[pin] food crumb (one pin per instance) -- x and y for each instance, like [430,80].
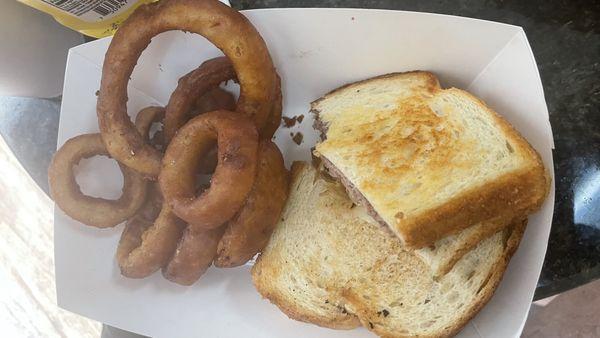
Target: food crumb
[289,122]
[298,137]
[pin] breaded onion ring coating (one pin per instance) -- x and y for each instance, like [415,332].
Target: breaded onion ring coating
[193,256]
[95,211]
[215,99]
[226,28]
[192,86]
[237,147]
[249,231]
[146,245]
[275,117]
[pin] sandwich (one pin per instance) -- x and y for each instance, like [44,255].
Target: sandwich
[409,221]
[328,264]
[427,162]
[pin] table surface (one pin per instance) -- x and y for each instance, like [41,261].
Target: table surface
[565,38]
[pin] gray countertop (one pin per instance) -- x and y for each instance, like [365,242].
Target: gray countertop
[565,37]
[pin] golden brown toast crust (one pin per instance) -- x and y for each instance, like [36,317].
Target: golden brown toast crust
[431,85]
[514,195]
[432,82]
[345,321]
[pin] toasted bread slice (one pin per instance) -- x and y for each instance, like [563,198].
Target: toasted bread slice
[446,252]
[426,162]
[325,264]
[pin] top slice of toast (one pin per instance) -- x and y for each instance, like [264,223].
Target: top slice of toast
[425,161]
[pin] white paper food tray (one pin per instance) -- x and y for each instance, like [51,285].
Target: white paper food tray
[315,50]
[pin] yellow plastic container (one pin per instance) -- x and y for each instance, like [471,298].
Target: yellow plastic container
[96,18]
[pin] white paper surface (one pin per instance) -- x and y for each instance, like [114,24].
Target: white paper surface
[315,50]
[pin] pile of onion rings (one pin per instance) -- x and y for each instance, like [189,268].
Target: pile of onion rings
[173,223]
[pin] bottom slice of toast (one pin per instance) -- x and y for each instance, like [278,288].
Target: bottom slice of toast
[328,265]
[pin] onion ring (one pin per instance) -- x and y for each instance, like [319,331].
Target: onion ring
[94,211]
[190,87]
[151,235]
[209,162]
[194,94]
[249,231]
[221,99]
[215,99]
[145,118]
[193,256]
[237,142]
[226,28]
[275,116]
[147,244]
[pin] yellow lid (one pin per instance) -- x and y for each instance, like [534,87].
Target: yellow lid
[96,18]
